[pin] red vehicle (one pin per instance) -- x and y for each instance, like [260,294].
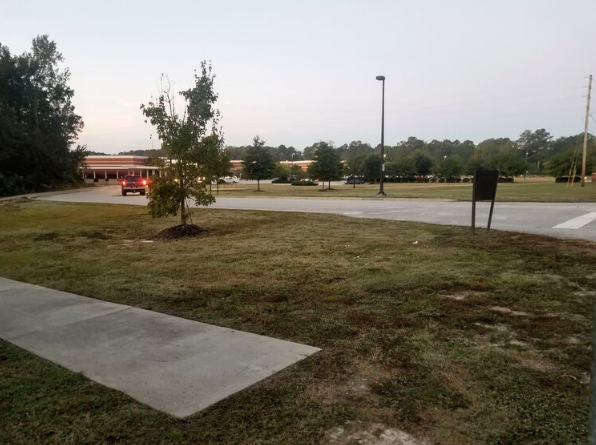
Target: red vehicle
[133,184]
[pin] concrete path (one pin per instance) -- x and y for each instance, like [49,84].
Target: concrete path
[172,364]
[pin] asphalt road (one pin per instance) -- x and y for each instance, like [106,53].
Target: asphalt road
[561,220]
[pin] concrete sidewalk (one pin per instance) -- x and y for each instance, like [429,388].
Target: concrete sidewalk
[172,364]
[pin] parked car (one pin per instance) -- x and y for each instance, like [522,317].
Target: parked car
[229,180]
[133,184]
[356,180]
[281,180]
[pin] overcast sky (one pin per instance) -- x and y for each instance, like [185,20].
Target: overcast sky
[302,71]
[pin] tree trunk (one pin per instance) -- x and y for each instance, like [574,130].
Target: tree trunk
[258,185]
[182,206]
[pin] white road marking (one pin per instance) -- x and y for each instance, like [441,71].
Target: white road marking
[577,223]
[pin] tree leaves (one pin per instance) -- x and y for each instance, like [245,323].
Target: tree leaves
[37,121]
[193,144]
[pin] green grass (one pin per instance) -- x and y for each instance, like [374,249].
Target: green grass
[531,190]
[416,337]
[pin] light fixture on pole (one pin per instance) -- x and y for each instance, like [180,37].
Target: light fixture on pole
[381,192]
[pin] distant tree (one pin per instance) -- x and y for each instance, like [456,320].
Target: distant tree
[404,167]
[535,147]
[214,160]
[281,171]
[372,168]
[326,163]
[533,142]
[568,163]
[410,146]
[356,149]
[450,167]
[187,139]
[296,170]
[38,124]
[149,152]
[258,162]
[562,164]
[236,152]
[568,143]
[96,153]
[283,153]
[355,164]
[309,152]
[423,165]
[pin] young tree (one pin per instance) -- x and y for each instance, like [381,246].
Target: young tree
[189,140]
[258,162]
[326,163]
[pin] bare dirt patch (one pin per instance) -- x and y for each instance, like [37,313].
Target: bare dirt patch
[356,388]
[525,357]
[507,311]
[375,434]
[496,327]
[461,296]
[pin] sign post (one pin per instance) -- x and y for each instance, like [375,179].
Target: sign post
[484,189]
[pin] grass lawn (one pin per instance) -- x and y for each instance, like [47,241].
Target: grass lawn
[450,338]
[530,190]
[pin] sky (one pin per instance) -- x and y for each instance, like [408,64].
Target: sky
[298,72]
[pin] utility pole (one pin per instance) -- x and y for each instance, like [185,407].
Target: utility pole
[592,410]
[381,191]
[586,133]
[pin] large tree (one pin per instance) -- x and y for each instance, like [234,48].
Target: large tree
[326,164]
[189,141]
[38,124]
[535,147]
[259,162]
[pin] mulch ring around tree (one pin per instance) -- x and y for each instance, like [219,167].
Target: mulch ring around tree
[180,231]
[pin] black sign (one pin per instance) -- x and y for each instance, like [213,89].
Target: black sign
[485,185]
[485,189]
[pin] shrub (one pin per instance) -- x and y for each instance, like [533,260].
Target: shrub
[567,179]
[505,179]
[305,182]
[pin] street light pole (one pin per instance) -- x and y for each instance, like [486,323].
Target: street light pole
[381,192]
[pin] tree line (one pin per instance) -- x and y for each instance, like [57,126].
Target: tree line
[533,153]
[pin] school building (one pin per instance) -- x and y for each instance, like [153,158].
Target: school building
[106,169]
